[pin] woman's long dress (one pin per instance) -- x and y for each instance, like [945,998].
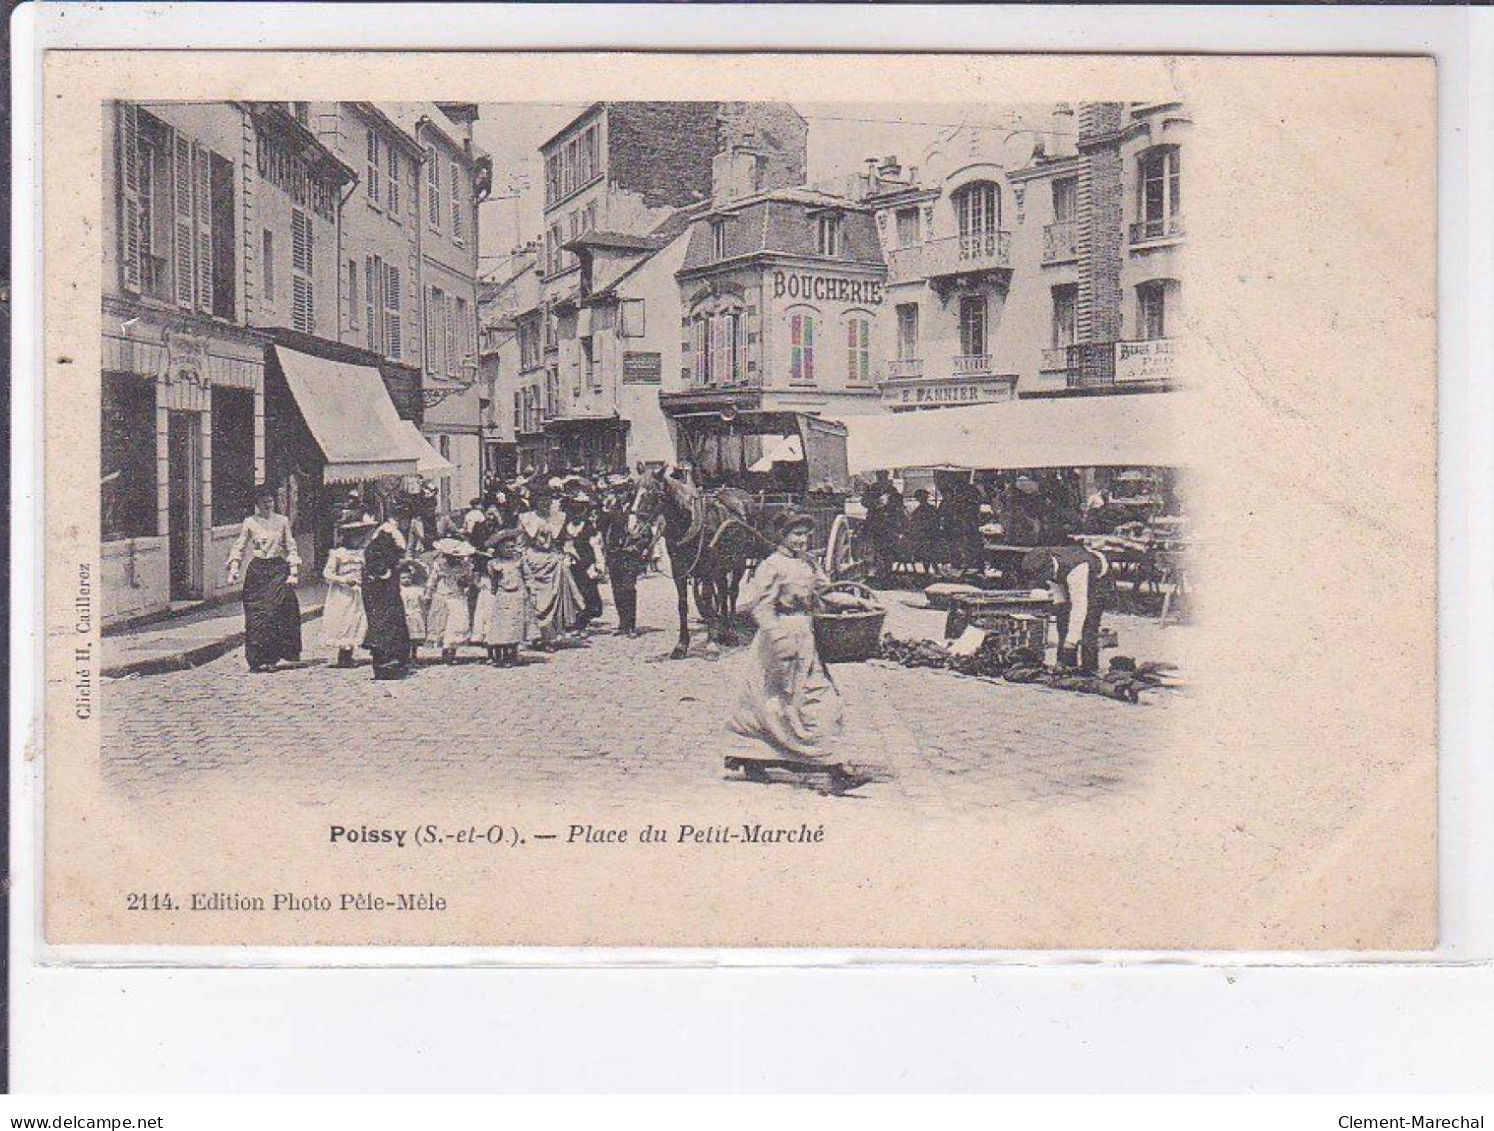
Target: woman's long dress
[272,615]
[787,699]
[387,637]
[343,619]
[503,604]
[554,598]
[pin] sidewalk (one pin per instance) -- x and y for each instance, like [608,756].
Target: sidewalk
[193,638]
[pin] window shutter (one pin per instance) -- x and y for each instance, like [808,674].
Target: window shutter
[373,166]
[456,201]
[808,348]
[430,329]
[130,218]
[433,187]
[392,318]
[450,324]
[202,161]
[303,308]
[183,234]
[393,181]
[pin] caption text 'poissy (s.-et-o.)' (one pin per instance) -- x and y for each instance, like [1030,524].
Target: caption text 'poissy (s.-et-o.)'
[581,834]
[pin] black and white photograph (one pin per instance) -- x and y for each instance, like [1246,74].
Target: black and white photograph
[772,521]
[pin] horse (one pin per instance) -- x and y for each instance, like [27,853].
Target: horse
[710,541]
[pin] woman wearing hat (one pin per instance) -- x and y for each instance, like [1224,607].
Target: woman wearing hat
[388,635]
[272,615]
[787,700]
[343,619]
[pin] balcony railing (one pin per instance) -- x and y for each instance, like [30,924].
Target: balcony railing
[904,367]
[976,251]
[973,365]
[1157,228]
[1061,242]
[1122,363]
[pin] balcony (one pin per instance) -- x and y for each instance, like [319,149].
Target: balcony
[967,254]
[1061,242]
[903,368]
[973,365]
[1157,229]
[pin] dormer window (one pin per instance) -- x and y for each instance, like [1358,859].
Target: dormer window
[827,235]
[718,239]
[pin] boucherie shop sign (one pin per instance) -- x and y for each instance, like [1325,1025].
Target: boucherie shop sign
[826,288]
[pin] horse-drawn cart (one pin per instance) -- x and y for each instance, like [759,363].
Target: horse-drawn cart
[778,462]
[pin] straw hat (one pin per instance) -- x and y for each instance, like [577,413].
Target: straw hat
[454,546]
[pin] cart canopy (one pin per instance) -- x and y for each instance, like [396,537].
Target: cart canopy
[1127,430]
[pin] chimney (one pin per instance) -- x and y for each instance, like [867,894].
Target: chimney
[1064,141]
[890,168]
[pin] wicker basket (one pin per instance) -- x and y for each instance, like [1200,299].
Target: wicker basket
[849,638]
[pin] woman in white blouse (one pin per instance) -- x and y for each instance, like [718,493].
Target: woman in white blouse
[272,615]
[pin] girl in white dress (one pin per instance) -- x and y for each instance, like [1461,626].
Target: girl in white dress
[343,618]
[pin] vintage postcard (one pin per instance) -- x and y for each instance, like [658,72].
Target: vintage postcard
[844,501]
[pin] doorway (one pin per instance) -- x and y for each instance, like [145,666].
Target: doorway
[184,504]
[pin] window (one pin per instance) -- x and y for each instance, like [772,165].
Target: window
[1065,323]
[907,331]
[302,112]
[1160,198]
[568,169]
[394,173]
[371,187]
[827,235]
[553,239]
[435,360]
[392,319]
[718,239]
[908,233]
[801,348]
[518,411]
[1151,310]
[973,325]
[552,179]
[1065,199]
[858,350]
[128,443]
[529,346]
[232,453]
[269,266]
[433,188]
[725,336]
[353,311]
[978,210]
[303,305]
[225,277]
[457,225]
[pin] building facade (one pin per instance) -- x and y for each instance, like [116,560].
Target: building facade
[621,182]
[182,410]
[782,299]
[455,176]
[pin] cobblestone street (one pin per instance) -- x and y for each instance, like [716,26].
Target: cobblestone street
[615,716]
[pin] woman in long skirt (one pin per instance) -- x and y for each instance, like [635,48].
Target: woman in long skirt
[272,615]
[787,700]
[343,619]
[449,619]
[388,636]
[552,591]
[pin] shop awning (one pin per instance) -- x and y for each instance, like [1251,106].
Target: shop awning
[351,416]
[1133,430]
[428,461]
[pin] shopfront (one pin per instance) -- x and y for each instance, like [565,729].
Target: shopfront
[181,445]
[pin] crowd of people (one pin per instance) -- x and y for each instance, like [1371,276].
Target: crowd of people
[522,565]
[926,535]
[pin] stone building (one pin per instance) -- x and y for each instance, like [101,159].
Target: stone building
[182,417]
[621,181]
